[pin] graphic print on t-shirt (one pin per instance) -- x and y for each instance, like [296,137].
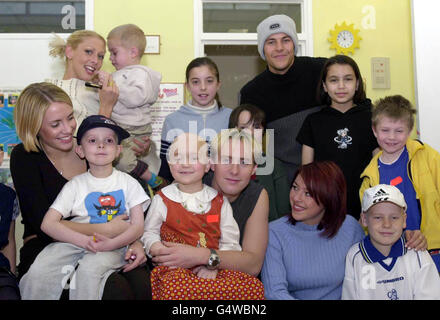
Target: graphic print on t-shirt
[103,207]
[392,295]
[343,139]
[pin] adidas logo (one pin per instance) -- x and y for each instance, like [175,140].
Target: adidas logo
[380,196]
[380,200]
[381,192]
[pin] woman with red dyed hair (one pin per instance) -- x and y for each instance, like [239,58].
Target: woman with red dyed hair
[305,257]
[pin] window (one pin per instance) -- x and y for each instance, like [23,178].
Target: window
[42,16]
[238,17]
[25,31]
[233,22]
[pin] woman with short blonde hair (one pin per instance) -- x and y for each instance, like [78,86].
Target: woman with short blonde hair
[43,162]
[31,108]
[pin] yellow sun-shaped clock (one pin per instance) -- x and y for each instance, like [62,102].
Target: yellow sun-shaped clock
[344,38]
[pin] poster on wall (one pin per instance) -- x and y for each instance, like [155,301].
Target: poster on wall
[8,136]
[171,98]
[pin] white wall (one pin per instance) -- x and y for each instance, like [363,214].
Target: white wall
[24,59]
[426,45]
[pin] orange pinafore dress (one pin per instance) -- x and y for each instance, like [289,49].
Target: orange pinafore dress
[199,230]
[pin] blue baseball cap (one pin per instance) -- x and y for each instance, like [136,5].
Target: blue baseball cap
[99,121]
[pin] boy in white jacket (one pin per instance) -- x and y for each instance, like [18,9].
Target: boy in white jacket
[380,267]
[138,90]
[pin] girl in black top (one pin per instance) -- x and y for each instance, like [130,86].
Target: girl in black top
[341,131]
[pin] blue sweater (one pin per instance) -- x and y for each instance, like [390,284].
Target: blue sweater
[301,264]
[186,119]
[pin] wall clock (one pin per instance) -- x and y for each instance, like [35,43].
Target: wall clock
[344,38]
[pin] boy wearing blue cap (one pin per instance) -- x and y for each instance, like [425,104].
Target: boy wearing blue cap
[96,196]
[380,267]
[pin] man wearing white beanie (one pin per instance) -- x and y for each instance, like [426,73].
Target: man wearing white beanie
[279,23]
[286,90]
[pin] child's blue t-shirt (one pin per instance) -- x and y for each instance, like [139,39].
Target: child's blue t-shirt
[396,174]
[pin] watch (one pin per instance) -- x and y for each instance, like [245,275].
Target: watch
[344,38]
[213,261]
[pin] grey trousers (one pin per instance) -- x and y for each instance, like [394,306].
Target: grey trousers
[127,161]
[55,266]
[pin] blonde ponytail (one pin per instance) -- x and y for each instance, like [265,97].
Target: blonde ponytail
[57,47]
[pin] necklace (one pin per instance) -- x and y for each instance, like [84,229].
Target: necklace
[53,162]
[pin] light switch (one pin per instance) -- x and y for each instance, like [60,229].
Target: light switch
[380,72]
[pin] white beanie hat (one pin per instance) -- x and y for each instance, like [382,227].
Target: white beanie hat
[382,192]
[276,24]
